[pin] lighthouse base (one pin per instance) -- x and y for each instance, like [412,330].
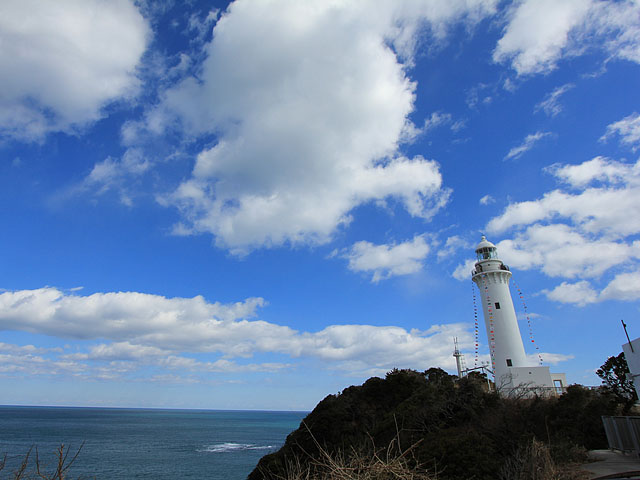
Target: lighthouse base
[531,381]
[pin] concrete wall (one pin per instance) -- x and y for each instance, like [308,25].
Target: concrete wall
[530,376]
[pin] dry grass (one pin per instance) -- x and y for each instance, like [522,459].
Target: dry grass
[392,463]
[59,471]
[534,462]
[357,466]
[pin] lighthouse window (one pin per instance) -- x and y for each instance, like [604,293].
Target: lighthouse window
[509,362]
[486,253]
[497,305]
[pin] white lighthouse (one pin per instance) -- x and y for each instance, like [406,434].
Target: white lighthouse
[511,368]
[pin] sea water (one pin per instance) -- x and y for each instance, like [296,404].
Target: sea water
[120,444]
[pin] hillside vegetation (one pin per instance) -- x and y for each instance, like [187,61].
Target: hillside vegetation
[424,425]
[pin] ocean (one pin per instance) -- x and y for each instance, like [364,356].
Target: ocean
[124,443]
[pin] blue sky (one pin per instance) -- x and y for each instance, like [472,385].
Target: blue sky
[253,205]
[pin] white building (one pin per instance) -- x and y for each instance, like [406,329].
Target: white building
[632,356]
[512,370]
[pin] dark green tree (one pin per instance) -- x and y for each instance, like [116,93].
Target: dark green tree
[616,378]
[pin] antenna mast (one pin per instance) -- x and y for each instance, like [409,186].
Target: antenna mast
[458,355]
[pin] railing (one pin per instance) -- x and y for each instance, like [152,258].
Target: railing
[623,433]
[479,269]
[529,391]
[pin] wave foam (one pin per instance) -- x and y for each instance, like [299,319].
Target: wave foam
[232,447]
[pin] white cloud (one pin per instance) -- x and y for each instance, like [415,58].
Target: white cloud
[628,129]
[436,119]
[29,360]
[561,251]
[62,61]
[309,102]
[551,103]
[624,286]
[549,358]
[529,142]
[477,95]
[19,349]
[598,169]
[612,208]
[143,329]
[118,351]
[581,293]
[373,350]
[452,245]
[583,232]
[202,27]
[113,174]
[540,33]
[458,125]
[386,261]
[463,271]
[619,23]
[487,199]
[220,366]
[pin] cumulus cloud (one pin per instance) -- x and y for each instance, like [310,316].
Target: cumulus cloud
[309,102]
[624,286]
[386,261]
[561,251]
[539,33]
[607,200]
[581,293]
[580,232]
[63,61]
[529,142]
[131,316]
[628,129]
[144,329]
[551,103]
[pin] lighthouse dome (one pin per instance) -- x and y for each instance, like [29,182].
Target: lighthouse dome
[484,243]
[486,250]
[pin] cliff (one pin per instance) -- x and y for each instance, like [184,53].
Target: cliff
[436,424]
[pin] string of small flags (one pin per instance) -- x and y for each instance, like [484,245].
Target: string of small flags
[526,312]
[492,337]
[475,323]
